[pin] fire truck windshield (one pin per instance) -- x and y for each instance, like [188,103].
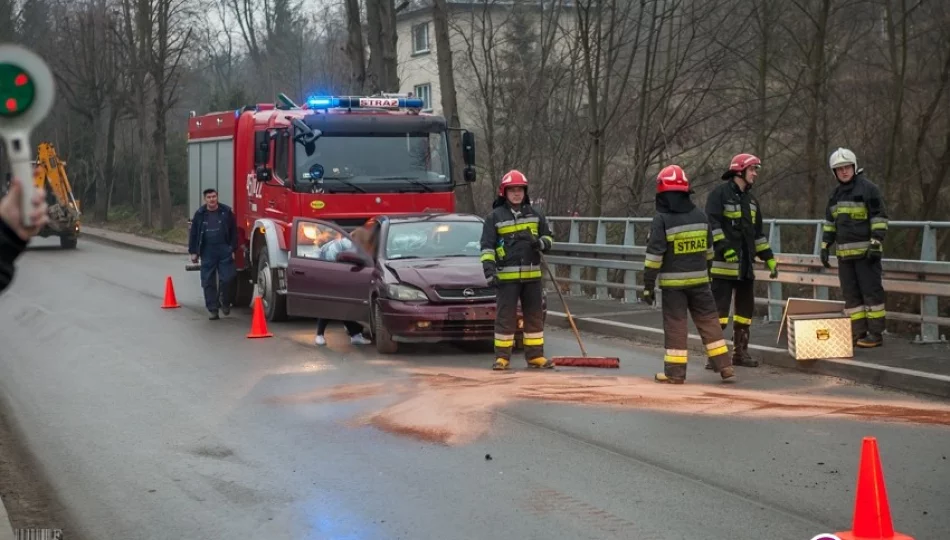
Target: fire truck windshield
[378,162]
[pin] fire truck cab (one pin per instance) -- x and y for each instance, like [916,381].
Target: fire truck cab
[340,159]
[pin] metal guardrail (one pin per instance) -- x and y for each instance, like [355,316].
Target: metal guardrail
[927,277]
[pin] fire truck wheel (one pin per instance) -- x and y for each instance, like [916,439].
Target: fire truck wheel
[68,242]
[275,305]
[382,337]
[242,289]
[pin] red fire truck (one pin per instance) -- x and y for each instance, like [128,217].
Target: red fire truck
[340,159]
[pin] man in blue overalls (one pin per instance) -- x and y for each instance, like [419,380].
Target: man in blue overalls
[213,237]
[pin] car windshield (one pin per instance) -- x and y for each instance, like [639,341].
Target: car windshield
[386,162]
[433,239]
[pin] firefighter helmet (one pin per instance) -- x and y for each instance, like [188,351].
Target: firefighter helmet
[740,163]
[512,178]
[842,157]
[672,178]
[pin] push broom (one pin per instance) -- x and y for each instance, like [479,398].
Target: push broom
[577,361]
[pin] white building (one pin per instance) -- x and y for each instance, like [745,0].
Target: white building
[418,67]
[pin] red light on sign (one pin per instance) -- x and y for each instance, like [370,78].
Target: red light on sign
[21,79]
[11,104]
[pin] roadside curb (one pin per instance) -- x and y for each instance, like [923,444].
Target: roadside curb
[126,240]
[6,526]
[906,380]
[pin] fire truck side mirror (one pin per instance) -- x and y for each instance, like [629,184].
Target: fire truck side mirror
[468,148]
[261,148]
[263,174]
[469,174]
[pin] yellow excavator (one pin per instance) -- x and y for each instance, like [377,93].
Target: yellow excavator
[49,173]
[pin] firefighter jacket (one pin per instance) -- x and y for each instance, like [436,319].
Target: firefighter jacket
[736,221]
[508,239]
[855,214]
[676,251]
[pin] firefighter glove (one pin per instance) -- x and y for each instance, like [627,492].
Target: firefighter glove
[730,255]
[493,280]
[876,251]
[647,296]
[824,257]
[773,268]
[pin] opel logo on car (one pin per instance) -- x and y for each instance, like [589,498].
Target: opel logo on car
[468,293]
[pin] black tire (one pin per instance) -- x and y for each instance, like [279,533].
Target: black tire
[68,242]
[242,289]
[275,305]
[381,336]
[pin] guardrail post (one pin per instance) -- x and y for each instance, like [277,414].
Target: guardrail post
[775,287]
[575,238]
[929,332]
[630,276]
[820,292]
[601,293]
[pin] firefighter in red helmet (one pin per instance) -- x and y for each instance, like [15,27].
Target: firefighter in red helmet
[513,236]
[676,256]
[735,217]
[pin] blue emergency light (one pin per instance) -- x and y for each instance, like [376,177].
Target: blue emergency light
[367,102]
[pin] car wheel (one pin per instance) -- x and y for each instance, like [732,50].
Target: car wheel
[382,337]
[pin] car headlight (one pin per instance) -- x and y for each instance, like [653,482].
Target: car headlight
[405,293]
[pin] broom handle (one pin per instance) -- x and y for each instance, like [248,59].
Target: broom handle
[570,319]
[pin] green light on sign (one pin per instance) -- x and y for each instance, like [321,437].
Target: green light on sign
[17,91]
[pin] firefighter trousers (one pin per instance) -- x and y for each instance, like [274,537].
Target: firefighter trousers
[744,290]
[863,290]
[699,303]
[506,318]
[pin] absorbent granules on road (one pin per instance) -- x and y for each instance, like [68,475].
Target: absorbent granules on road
[454,406]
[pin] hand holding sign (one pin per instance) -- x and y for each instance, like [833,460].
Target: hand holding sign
[26,96]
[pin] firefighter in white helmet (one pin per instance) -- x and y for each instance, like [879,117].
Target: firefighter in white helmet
[513,237]
[676,257]
[856,222]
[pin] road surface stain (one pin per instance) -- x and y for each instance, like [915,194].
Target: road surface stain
[454,406]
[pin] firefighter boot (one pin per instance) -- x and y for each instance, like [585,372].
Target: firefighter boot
[540,363]
[740,352]
[870,340]
[672,374]
[722,365]
[500,364]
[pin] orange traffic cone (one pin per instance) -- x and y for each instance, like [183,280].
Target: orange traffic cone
[170,300]
[872,513]
[258,321]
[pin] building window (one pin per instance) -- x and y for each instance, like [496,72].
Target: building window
[420,38]
[424,91]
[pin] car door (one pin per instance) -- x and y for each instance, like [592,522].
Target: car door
[322,288]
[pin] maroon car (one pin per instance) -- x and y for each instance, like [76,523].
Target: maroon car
[424,284]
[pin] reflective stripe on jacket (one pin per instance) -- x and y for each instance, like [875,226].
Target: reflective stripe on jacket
[676,251]
[855,214]
[736,221]
[506,243]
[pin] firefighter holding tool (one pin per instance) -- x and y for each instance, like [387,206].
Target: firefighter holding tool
[513,237]
[735,217]
[856,222]
[676,256]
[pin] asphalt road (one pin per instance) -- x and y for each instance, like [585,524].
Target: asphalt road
[155,424]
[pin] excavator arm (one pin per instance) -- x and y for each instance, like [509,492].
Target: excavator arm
[50,174]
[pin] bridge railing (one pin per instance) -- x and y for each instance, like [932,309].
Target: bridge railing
[926,278]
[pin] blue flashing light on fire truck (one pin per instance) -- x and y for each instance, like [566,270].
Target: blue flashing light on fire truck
[341,159]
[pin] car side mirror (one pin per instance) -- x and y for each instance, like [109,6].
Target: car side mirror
[469,174]
[350,257]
